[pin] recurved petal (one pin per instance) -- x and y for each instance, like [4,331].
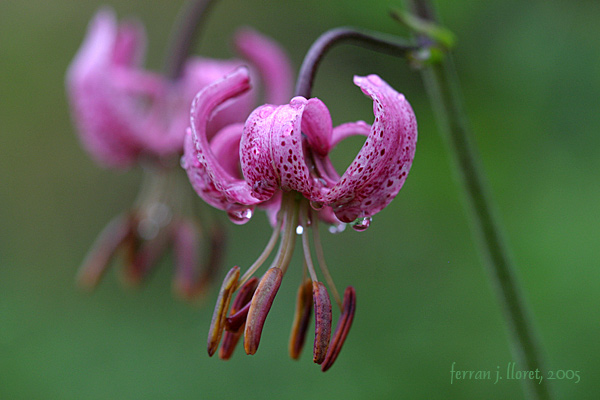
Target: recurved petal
[316,125]
[217,325]
[260,307]
[228,192]
[379,170]
[130,44]
[256,159]
[342,329]
[322,321]
[272,64]
[200,72]
[100,82]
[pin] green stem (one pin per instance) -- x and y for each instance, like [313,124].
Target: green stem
[189,20]
[443,90]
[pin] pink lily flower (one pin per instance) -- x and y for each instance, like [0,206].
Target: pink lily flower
[283,154]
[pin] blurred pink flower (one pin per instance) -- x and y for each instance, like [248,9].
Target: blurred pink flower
[127,115]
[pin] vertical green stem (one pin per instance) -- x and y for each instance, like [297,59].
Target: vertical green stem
[189,20]
[443,90]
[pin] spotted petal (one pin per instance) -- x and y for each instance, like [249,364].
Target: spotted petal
[271,150]
[379,170]
[212,180]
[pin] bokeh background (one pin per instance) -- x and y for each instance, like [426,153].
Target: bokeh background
[530,74]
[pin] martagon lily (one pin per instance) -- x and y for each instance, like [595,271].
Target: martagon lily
[127,115]
[282,152]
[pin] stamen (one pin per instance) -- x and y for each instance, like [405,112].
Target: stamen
[264,255]
[323,265]
[237,319]
[232,336]
[218,320]
[322,322]
[108,242]
[304,304]
[307,257]
[342,329]
[306,245]
[260,307]
[146,257]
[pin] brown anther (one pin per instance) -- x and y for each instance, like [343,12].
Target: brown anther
[192,275]
[114,235]
[322,321]
[259,308]
[342,329]
[232,336]
[185,249]
[146,257]
[304,304]
[218,319]
[237,319]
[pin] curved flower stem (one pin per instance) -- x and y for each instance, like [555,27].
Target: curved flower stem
[189,20]
[372,40]
[443,89]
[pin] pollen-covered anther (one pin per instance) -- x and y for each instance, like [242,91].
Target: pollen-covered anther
[322,322]
[304,304]
[259,308]
[342,329]
[237,318]
[217,324]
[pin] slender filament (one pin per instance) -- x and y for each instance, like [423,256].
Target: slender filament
[323,265]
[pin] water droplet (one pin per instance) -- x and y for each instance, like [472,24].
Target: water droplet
[375,80]
[183,162]
[148,229]
[341,227]
[240,217]
[361,224]
[316,205]
[297,102]
[299,230]
[265,111]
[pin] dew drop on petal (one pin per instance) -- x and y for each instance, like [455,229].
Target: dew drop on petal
[316,205]
[183,162]
[361,224]
[297,102]
[240,216]
[265,112]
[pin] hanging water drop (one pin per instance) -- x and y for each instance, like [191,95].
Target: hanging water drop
[299,230]
[361,224]
[338,228]
[183,162]
[240,217]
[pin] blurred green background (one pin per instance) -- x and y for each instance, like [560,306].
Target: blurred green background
[530,73]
